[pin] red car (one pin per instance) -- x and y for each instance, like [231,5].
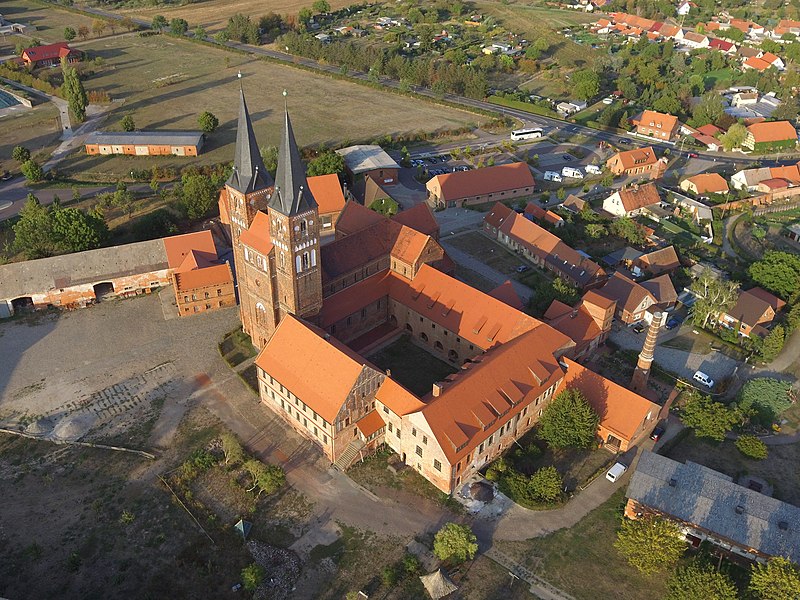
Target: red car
[693,155]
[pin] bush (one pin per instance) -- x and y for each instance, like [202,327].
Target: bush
[411,564]
[752,447]
[390,576]
[455,543]
[766,397]
[252,576]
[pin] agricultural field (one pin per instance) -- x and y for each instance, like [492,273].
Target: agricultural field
[165,83]
[47,23]
[38,129]
[214,14]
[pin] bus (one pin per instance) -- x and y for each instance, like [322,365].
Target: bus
[526,134]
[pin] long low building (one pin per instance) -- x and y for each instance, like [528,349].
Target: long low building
[479,186]
[83,278]
[145,143]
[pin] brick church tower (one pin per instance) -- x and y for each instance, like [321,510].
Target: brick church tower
[294,227]
[274,233]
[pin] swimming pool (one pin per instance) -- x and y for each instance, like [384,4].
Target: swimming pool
[7,100]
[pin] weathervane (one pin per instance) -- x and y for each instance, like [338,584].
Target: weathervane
[285,93]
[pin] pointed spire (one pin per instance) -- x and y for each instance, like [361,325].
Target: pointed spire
[249,173]
[292,194]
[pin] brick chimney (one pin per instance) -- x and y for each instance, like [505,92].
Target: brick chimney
[642,372]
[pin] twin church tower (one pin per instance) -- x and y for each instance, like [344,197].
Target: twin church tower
[274,231]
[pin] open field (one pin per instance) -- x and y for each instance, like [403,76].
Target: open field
[166,83]
[47,22]
[214,14]
[38,129]
[583,562]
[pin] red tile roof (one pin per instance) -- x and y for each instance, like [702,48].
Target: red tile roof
[370,423]
[576,323]
[355,217]
[397,398]
[658,261]
[639,196]
[499,213]
[719,44]
[756,63]
[505,292]
[257,236]
[710,129]
[203,277]
[776,303]
[627,293]
[636,158]
[651,118]
[487,180]
[709,183]
[420,218]
[47,52]
[772,131]
[178,246]
[662,289]
[327,191]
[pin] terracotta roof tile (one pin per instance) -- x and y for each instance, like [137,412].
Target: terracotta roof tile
[257,236]
[327,191]
[705,183]
[662,289]
[498,214]
[397,398]
[592,297]
[710,129]
[370,423]
[636,158]
[756,63]
[627,293]
[355,217]
[420,218]
[773,131]
[487,180]
[505,292]
[178,246]
[636,197]
[203,277]
[658,261]
[776,303]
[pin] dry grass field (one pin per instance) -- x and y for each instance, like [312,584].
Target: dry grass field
[38,129]
[165,83]
[214,14]
[49,22]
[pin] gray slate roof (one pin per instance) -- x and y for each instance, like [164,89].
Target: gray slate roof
[712,501]
[363,158]
[144,138]
[291,195]
[249,173]
[93,266]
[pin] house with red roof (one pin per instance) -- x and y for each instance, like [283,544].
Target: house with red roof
[480,186]
[49,55]
[639,161]
[770,135]
[657,125]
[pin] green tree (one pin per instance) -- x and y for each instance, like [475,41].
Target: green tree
[76,231]
[595,231]
[321,6]
[411,564]
[561,193]
[629,230]
[266,478]
[708,418]
[709,109]
[198,194]
[242,29]
[779,579]
[128,123]
[304,16]
[787,110]
[546,484]
[714,295]
[700,582]
[75,94]
[773,344]
[199,32]
[178,26]
[733,34]
[752,447]
[207,121]
[159,22]
[252,576]
[569,421]
[650,544]
[585,84]
[123,199]
[21,154]
[779,272]
[455,543]
[33,232]
[232,449]
[734,137]
[327,162]
[32,171]
[269,154]
[69,34]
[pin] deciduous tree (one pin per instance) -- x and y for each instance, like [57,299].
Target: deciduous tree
[99,26]
[700,582]
[159,22]
[714,295]
[321,6]
[778,579]
[650,544]
[207,121]
[546,484]
[83,32]
[327,162]
[232,449]
[585,84]
[76,231]
[32,171]
[33,232]
[266,478]
[75,93]
[455,543]
[629,230]
[178,26]
[127,123]
[569,421]
[69,34]
[779,272]
[708,418]
[734,137]
[252,576]
[198,194]
[21,154]
[752,446]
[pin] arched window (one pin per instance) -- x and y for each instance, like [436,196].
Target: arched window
[423,336]
[452,355]
[303,227]
[409,328]
[305,261]
[261,313]
[438,345]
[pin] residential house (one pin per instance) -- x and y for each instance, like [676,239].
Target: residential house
[685,7]
[756,63]
[574,204]
[705,183]
[542,248]
[708,506]
[632,200]
[663,291]
[658,125]
[694,40]
[770,135]
[570,107]
[744,98]
[639,161]
[587,324]
[723,46]
[772,60]
[632,300]
[754,309]
[49,55]
[535,213]
[699,211]
[663,260]
[479,186]
[787,26]
[145,143]
[793,232]
[327,191]
[708,136]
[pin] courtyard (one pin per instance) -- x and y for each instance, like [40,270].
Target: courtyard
[411,365]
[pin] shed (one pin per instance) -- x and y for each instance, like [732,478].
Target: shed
[438,585]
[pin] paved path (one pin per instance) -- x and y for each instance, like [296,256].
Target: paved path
[728,231]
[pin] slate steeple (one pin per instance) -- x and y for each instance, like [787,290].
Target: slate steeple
[249,173]
[291,195]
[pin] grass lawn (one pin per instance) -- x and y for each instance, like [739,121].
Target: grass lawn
[236,347]
[582,560]
[718,78]
[488,252]
[385,206]
[779,469]
[411,365]
[164,83]
[38,129]
[45,20]
[526,106]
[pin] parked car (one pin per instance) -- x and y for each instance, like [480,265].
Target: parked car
[522,268]
[593,169]
[608,100]
[567,157]
[638,328]
[616,472]
[657,432]
[693,155]
[674,322]
[703,379]
[6,175]
[625,141]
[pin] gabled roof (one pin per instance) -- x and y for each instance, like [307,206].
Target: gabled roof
[639,196]
[179,246]
[355,217]
[636,157]
[374,191]
[249,173]
[709,129]
[719,44]
[48,51]
[712,501]
[397,398]
[621,410]
[573,203]
[776,303]
[292,194]
[327,191]
[420,218]
[370,423]
[772,131]
[658,261]
[257,236]
[662,289]
[498,214]
[505,292]
[706,183]
[203,277]
[693,36]
[576,323]
[651,118]
[756,63]
[752,305]
[488,180]
[627,293]
[297,349]
[145,138]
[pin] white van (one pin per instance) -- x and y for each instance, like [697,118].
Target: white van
[616,472]
[593,169]
[552,176]
[572,172]
[703,379]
